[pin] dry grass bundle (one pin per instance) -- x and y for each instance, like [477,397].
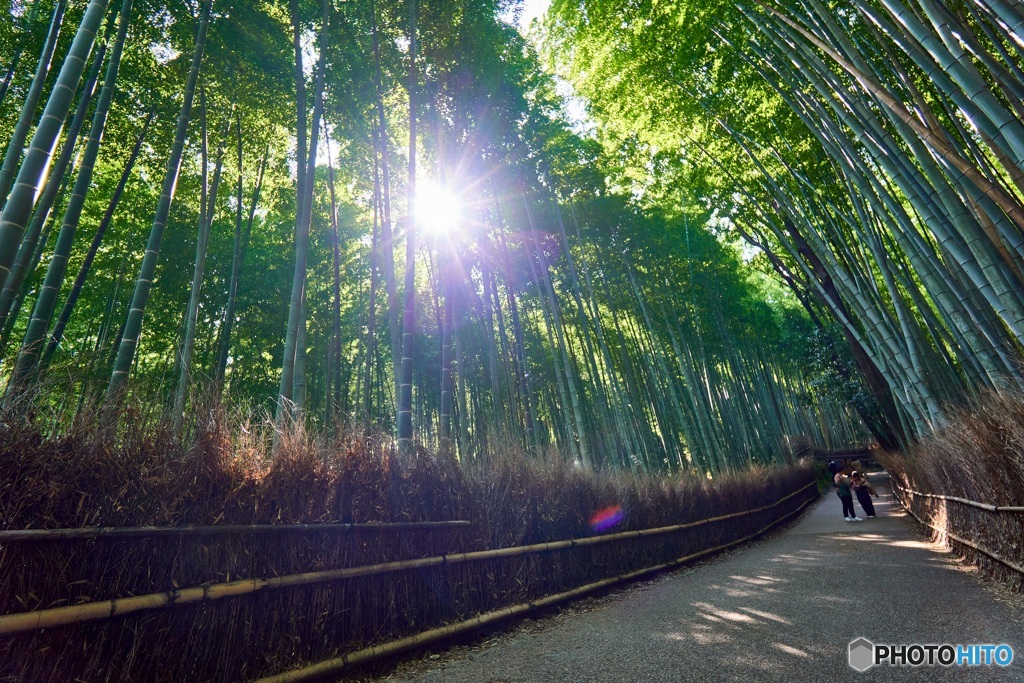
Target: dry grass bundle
[135,473]
[979,456]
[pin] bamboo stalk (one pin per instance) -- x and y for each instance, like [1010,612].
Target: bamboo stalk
[996,192]
[369,654]
[964,501]
[60,616]
[20,535]
[963,541]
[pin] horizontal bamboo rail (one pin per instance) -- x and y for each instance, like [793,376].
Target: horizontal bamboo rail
[84,533]
[964,541]
[963,501]
[367,655]
[105,609]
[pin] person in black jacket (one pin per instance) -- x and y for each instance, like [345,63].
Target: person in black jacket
[844,490]
[862,487]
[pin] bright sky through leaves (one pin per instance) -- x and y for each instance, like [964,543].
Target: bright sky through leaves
[531,9]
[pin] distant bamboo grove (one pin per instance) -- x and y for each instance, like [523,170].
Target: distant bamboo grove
[378,214]
[871,150]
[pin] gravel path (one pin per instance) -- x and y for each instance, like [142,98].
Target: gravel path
[781,610]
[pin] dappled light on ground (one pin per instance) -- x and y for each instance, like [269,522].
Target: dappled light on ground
[790,650]
[920,545]
[785,609]
[766,615]
[757,580]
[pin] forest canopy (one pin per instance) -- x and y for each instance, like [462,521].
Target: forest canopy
[379,214]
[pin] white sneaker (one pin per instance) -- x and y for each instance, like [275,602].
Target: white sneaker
[848,519]
[856,519]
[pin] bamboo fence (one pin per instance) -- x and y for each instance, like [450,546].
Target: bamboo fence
[944,531]
[376,652]
[105,609]
[963,501]
[85,533]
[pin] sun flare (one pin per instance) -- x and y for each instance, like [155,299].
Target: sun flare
[437,209]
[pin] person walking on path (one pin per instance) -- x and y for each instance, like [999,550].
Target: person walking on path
[843,488]
[862,487]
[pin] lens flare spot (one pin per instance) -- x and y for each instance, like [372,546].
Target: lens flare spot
[606,519]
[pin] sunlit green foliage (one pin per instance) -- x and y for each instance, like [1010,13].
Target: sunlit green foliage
[590,312]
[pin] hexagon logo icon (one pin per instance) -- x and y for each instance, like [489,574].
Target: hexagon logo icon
[862,654]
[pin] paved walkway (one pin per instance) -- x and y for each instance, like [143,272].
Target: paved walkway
[784,609]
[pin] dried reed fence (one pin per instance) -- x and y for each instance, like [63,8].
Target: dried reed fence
[906,496]
[338,665]
[965,484]
[141,477]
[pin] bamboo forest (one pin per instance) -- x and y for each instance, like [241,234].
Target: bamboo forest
[540,268]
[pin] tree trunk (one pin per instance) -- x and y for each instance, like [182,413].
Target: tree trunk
[404,416]
[387,226]
[459,375]
[497,404]
[238,256]
[15,62]
[19,204]
[57,180]
[447,327]
[101,229]
[206,217]
[16,144]
[334,348]
[375,246]
[299,383]
[304,194]
[42,314]
[133,323]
